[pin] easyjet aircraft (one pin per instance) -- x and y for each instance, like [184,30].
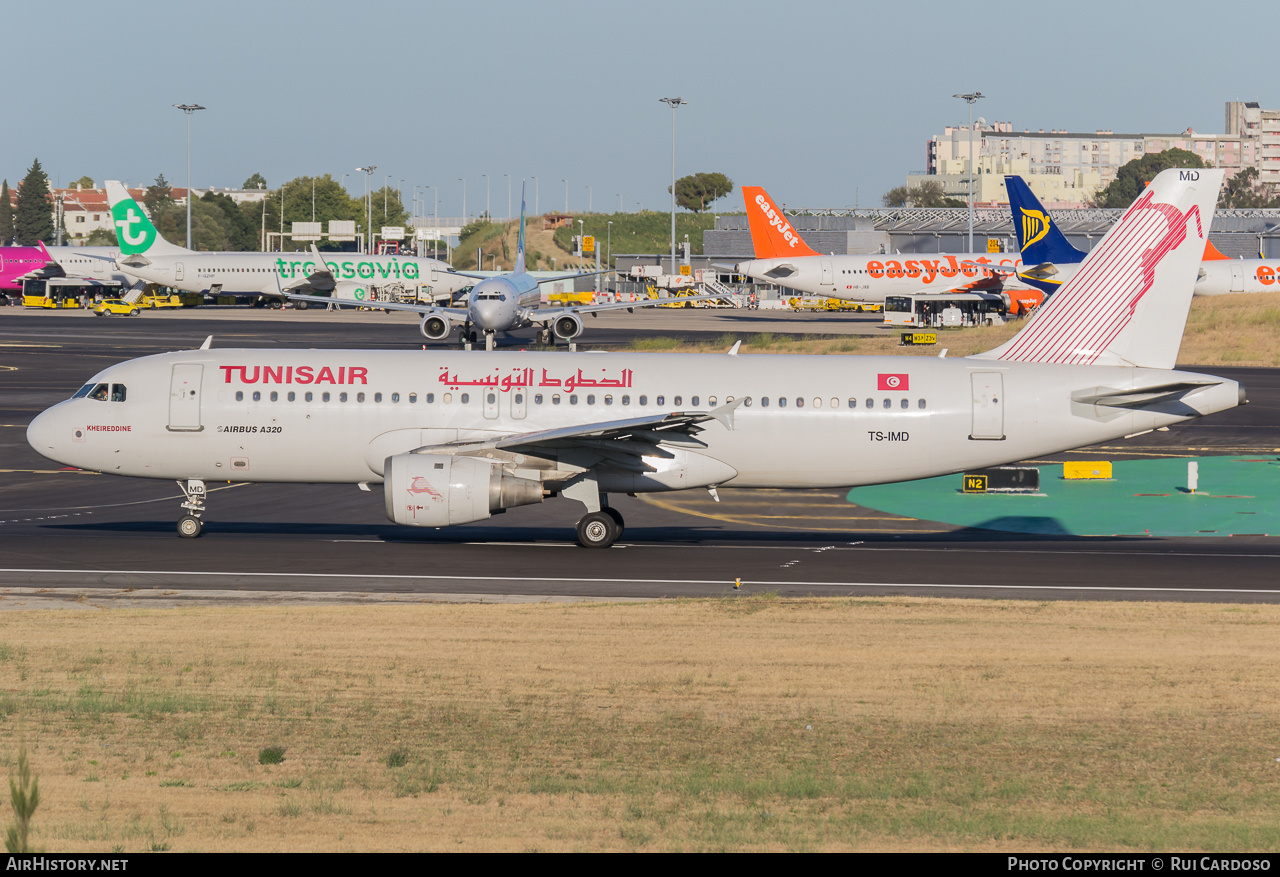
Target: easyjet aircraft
[784,259]
[454,437]
[147,256]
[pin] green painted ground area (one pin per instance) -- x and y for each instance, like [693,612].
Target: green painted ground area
[1235,496]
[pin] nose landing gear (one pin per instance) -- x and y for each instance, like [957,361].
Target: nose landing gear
[189,525]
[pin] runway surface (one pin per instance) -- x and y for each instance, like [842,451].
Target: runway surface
[69,533]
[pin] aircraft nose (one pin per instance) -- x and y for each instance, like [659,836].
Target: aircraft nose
[486,314]
[42,434]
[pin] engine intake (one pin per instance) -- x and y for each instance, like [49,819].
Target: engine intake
[437,490]
[567,327]
[435,328]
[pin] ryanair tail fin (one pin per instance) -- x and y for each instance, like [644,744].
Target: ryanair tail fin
[134,231]
[772,236]
[1038,237]
[1127,304]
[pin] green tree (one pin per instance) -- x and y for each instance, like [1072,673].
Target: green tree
[1134,176]
[255,181]
[1244,191]
[6,214]
[33,218]
[165,215]
[101,237]
[83,183]
[696,191]
[928,194]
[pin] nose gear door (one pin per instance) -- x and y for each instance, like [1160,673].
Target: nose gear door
[184,397]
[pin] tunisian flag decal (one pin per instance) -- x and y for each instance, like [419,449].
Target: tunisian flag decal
[892,382]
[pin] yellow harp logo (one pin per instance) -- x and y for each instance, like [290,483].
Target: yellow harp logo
[1035,225]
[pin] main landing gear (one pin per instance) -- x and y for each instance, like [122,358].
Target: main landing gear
[189,525]
[601,526]
[600,529]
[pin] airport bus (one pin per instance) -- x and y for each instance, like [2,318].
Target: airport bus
[946,310]
[67,292]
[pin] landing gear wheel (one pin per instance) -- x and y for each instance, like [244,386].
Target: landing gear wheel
[597,530]
[189,527]
[473,337]
[617,521]
[545,338]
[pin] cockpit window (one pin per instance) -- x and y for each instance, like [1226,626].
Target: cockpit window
[100,392]
[117,392]
[84,391]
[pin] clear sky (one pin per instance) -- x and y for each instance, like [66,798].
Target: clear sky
[820,101]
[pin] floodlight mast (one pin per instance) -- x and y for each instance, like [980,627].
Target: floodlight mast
[673,102]
[189,109]
[971,98]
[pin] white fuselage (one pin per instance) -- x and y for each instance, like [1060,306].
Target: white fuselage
[337,415]
[499,304]
[96,263]
[268,273]
[871,278]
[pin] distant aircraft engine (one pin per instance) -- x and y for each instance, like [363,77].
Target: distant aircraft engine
[567,327]
[437,490]
[435,328]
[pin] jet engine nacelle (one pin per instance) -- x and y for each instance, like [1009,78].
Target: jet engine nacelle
[437,490]
[435,328]
[567,327]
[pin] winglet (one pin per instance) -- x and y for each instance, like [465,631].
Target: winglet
[772,235]
[733,351]
[724,413]
[208,343]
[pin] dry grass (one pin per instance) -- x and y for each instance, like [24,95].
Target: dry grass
[748,724]
[1229,330]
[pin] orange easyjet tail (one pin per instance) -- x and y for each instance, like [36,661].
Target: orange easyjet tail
[772,236]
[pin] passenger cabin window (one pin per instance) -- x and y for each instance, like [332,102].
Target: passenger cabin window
[239,395]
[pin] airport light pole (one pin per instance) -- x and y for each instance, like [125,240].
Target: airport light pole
[189,109]
[368,200]
[589,199]
[673,102]
[566,197]
[581,240]
[486,197]
[464,200]
[971,98]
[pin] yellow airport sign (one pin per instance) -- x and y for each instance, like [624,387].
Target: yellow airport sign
[588,243]
[686,270]
[993,245]
[975,484]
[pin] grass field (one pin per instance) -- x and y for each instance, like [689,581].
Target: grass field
[1231,330]
[752,723]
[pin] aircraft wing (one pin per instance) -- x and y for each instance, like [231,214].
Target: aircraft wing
[547,315]
[457,315]
[620,443]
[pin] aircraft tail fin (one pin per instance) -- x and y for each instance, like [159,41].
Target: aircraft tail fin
[1039,237]
[1212,253]
[134,231]
[519,268]
[772,235]
[1128,302]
